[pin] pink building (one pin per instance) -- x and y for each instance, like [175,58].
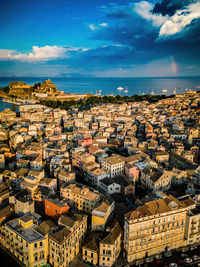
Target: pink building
[132,172]
[87,141]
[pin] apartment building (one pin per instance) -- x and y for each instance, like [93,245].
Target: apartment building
[156,180]
[155,227]
[110,246]
[79,157]
[24,242]
[80,197]
[90,250]
[192,230]
[101,215]
[114,165]
[94,176]
[64,244]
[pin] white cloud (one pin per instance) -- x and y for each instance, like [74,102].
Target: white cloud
[180,20]
[168,25]
[144,9]
[94,27]
[44,53]
[37,54]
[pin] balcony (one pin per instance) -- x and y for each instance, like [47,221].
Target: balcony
[39,248]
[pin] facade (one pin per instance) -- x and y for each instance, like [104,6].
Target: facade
[101,214]
[113,165]
[80,157]
[90,252]
[155,227]
[192,230]
[54,208]
[81,198]
[94,176]
[23,203]
[110,246]
[24,242]
[108,186]
[64,244]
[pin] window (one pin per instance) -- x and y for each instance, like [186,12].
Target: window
[41,244]
[35,245]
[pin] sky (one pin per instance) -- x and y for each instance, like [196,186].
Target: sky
[157,38]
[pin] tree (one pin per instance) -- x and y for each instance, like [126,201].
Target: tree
[13,108]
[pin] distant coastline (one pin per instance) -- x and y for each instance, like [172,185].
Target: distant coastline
[108,86]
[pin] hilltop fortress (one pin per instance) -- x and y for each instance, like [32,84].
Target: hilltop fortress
[39,91]
[47,88]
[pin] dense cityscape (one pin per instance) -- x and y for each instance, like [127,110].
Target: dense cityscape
[116,184]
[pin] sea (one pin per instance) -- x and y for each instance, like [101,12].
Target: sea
[108,86]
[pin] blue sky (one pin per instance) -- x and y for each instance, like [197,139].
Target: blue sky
[100,38]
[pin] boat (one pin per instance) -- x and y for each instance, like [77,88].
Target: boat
[126,91]
[120,88]
[164,91]
[174,92]
[152,92]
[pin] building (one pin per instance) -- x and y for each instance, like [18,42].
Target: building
[55,208]
[79,157]
[79,197]
[24,242]
[161,157]
[101,215]
[109,186]
[113,165]
[64,244]
[23,203]
[192,229]
[110,246]
[94,176]
[90,250]
[66,177]
[155,227]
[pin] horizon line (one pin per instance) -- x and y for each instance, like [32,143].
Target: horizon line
[90,76]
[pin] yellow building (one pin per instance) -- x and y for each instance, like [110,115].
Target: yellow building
[90,251]
[24,242]
[155,227]
[81,198]
[192,230]
[101,214]
[110,246]
[64,244]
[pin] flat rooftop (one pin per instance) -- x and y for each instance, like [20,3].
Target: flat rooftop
[29,234]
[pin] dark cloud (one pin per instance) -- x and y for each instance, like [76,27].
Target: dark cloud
[169,7]
[139,40]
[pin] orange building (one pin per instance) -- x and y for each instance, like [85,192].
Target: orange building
[54,208]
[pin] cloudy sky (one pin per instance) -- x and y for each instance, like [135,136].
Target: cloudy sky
[100,38]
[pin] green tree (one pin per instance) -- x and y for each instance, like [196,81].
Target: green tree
[13,108]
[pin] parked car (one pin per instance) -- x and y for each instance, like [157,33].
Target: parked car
[158,256]
[185,249]
[193,247]
[188,260]
[196,257]
[167,254]
[150,259]
[139,262]
[173,264]
[183,255]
